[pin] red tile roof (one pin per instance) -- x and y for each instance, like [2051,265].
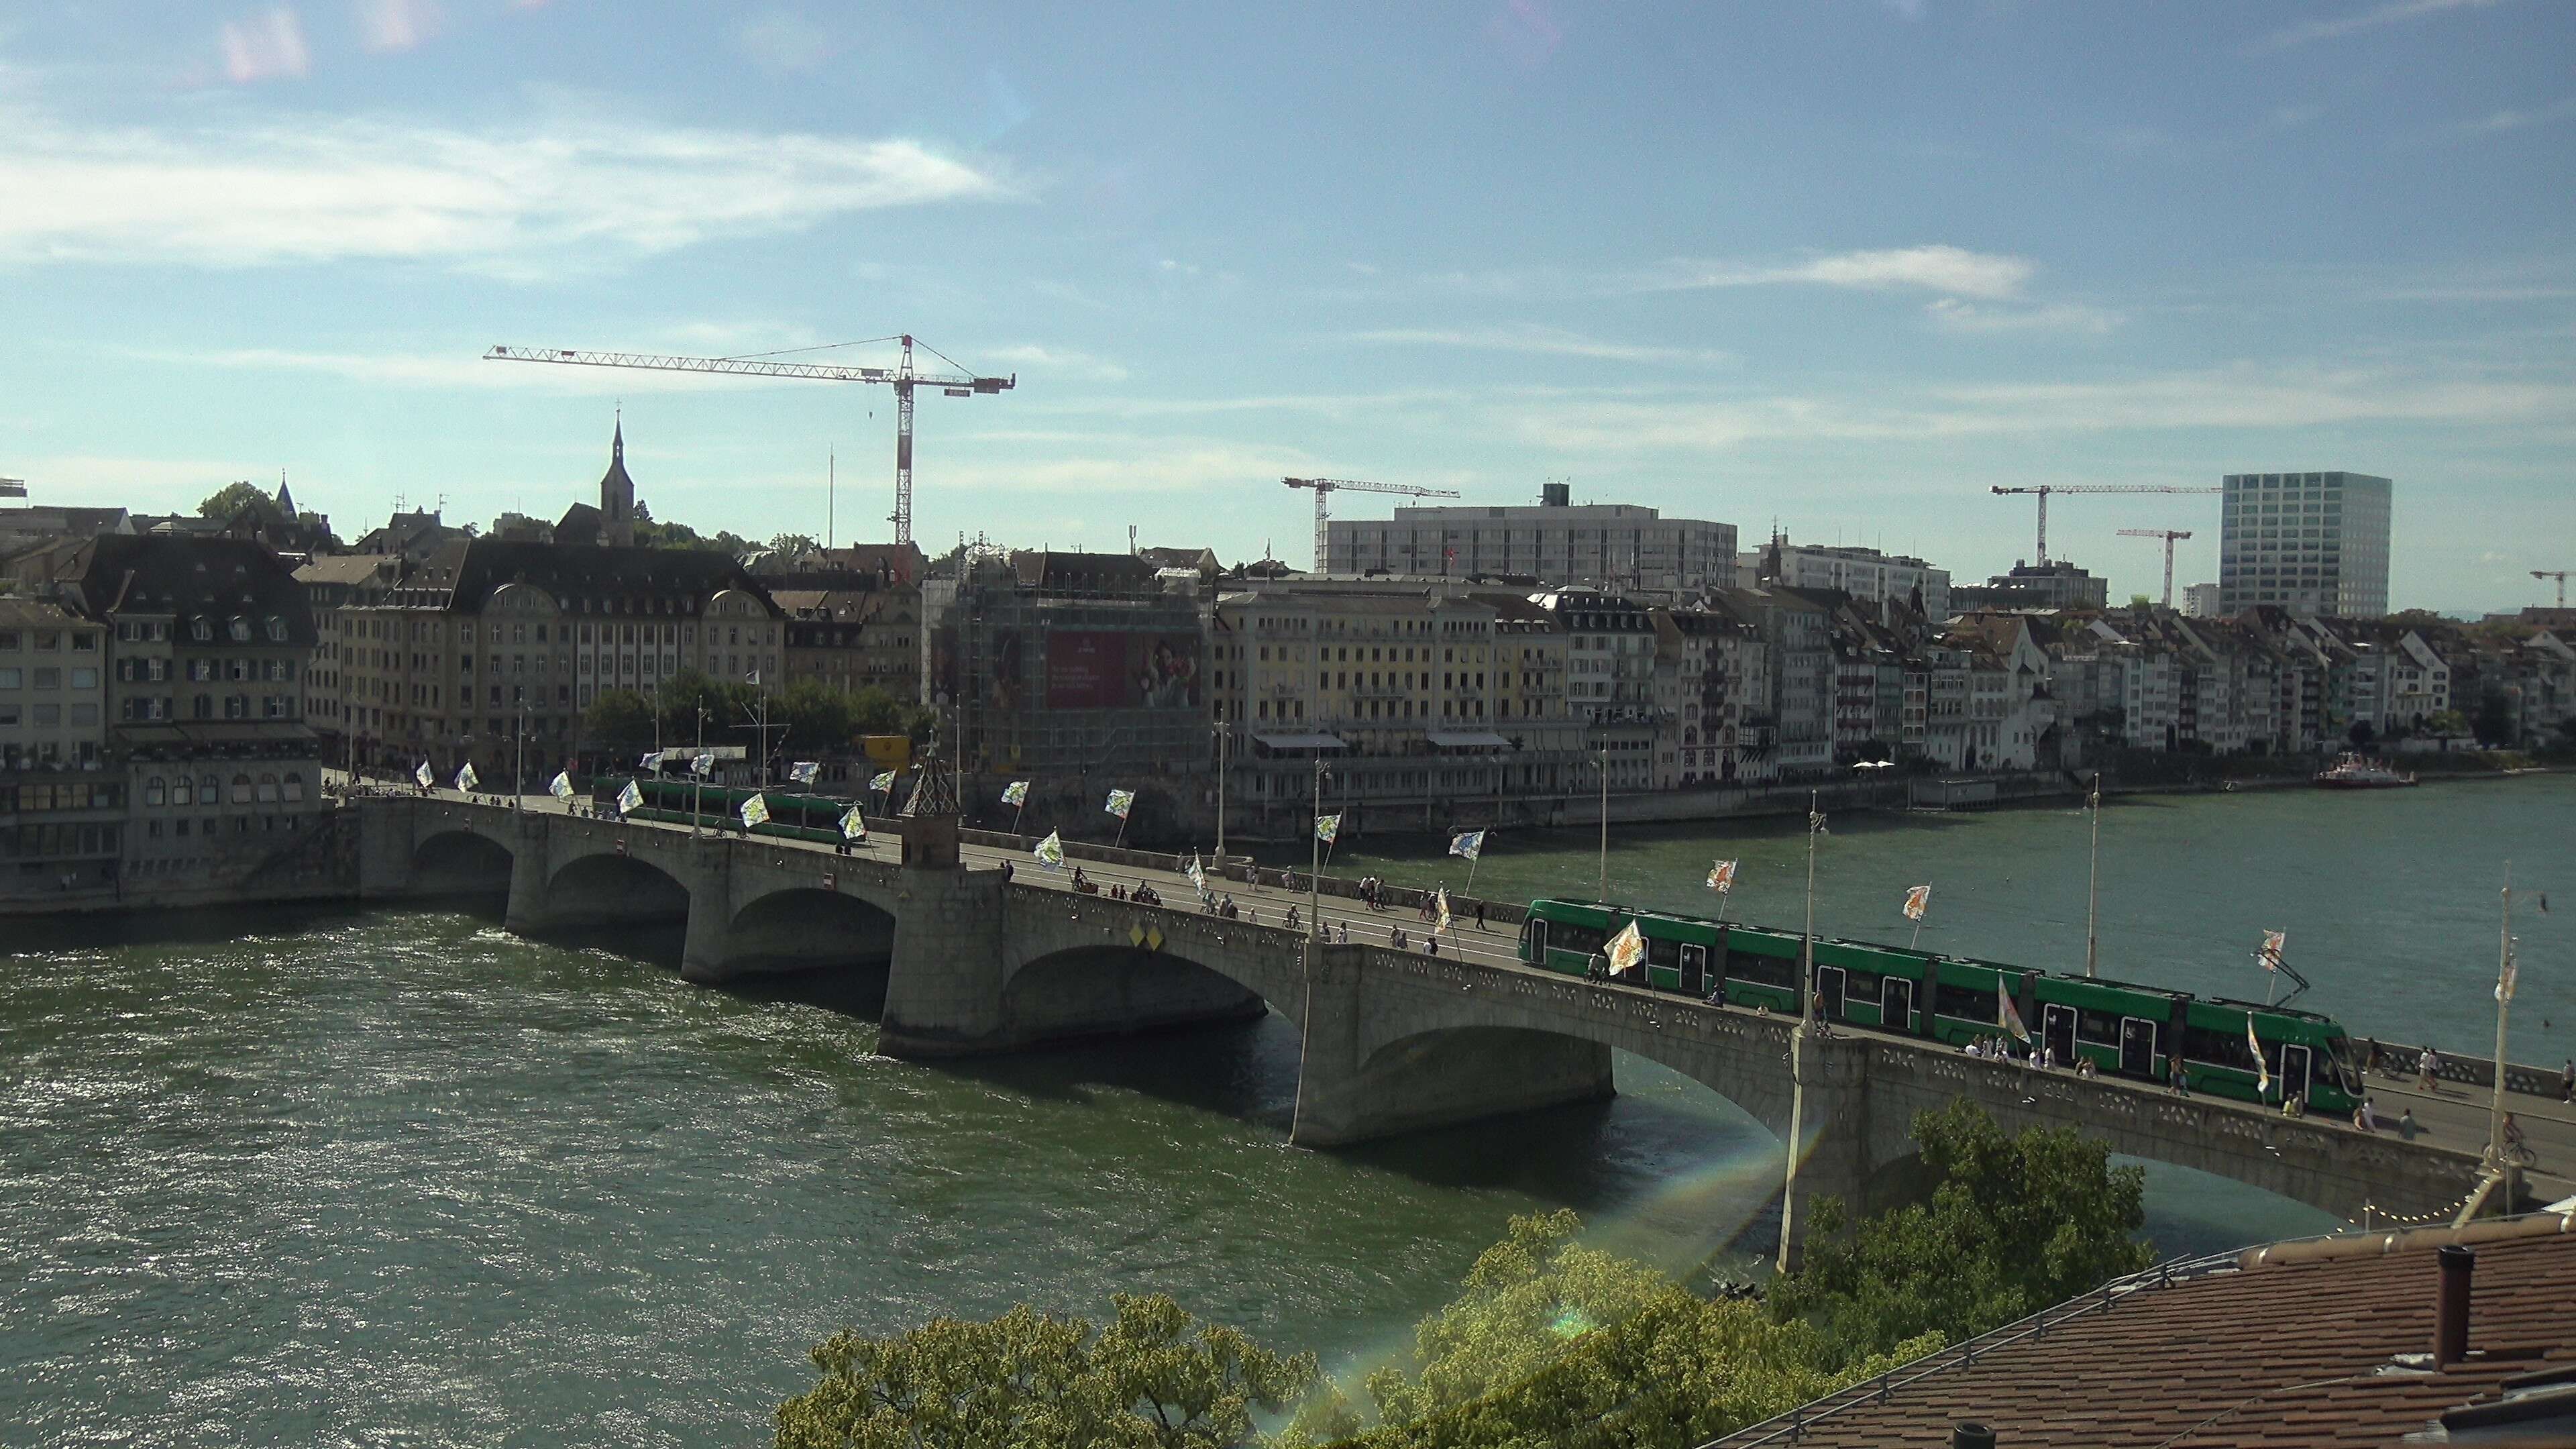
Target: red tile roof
[2292,1353]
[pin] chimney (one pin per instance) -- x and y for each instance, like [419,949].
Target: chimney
[1965,1435]
[2451,1306]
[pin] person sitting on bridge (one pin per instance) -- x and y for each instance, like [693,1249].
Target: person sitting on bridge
[2361,1116]
[1292,918]
[2181,1080]
[1431,945]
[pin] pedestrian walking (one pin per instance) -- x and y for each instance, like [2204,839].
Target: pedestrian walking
[2428,1065]
[2567,1081]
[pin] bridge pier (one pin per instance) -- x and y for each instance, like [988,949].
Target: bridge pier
[1347,1094]
[705,957]
[944,983]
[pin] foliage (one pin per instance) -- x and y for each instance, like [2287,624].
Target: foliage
[618,718]
[507,522]
[2447,722]
[1552,1343]
[2361,734]
[807,719]
[230,499]
[794,545]
[2014,1225]
[1152,1379]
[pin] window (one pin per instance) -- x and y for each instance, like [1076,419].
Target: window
[85,678]
[294,785]
[238,630]
[48,642]
[268,787]
[85,642]
[12,678]
[210,791]
[156,791]
[241,789]
[49,716]
[201,629]
[49,679]
[181,794]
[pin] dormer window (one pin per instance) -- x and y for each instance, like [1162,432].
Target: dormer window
[239,629]
[201,629]
[276,630]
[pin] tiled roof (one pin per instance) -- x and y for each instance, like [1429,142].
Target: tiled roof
[2282,1357]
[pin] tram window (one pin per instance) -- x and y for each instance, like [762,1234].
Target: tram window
[2219,1048]
[2098,1027]
[1965,1003]
[1567,936]
[1777,971]
[1860,986]
[1661,952]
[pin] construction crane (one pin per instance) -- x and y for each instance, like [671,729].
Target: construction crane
[903,376]
[2561,576]
[1326,487]
[2168,535]
[2044,489]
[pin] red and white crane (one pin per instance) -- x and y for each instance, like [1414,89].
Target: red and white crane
[903,377]
[2045,489]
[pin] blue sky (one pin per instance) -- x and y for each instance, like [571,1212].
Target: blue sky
[1842,265]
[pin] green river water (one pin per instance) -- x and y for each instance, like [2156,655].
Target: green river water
[401,1178]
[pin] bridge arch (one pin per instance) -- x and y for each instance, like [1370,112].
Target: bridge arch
[459,863]
[613,890]
[1107,987]
[806,928]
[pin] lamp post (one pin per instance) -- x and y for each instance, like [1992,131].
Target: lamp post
[1315,858]
[698,777]
[1224,732]
[1603,766]
[2504,1002]
[519,772]
[2093,889]
[1798,1036]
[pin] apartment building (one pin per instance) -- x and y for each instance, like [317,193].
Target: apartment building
[2311,543]
[1556,543]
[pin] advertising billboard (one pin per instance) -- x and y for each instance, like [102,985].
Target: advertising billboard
[1115,669]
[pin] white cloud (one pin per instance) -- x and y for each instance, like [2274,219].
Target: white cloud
[785,40]
[2516,120]
[2390,13]
[1947,269]
[395,25]
[1956,316]
[1546,341]
[266,46]
[2246,398]
[1055,361]
[516,202]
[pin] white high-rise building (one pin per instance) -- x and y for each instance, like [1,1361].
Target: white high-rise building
[2311,543]
[2200,601]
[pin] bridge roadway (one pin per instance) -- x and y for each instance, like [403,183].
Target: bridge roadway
[1393,1041]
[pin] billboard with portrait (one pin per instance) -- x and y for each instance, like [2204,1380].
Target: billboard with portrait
[1116,669]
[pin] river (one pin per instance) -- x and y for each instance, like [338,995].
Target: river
[400,1177]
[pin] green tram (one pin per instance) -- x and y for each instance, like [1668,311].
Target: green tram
[2124,1030]
[791,817]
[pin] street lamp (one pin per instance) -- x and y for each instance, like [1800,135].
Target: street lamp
[1315,856]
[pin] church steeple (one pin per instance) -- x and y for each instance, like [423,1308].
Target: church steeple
[285,500]
[617,493]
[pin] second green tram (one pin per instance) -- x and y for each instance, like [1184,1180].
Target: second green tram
[2124,1030]
[676,802]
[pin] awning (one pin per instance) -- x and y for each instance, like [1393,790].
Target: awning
[1461,739]
[1301,742]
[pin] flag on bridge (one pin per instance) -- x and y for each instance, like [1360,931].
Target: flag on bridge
[805,772]
[1120,802]
[1440,921]
[1721,876]
[1470,845]
[755,811]
[852,827]
[1050,851]
[1627,950]
[466,779]
[2008,1016]
[651,763]
[562,786]
[1917,898]
[1016,793]
[630,799]
[2512,968]
[423,775]
[881,783]
[2274,944]
[1198,875]
[2262,1073]
[1328,828]
[703,764]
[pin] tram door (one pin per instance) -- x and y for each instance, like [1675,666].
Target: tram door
[2057,1031]
[2137,1046]
[1896,1004]
[1829,992]
[2294,1074]
[1695,969]
[1537,941]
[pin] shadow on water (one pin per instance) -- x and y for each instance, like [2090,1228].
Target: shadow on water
[1241,1069]
[178,926]
[855,989]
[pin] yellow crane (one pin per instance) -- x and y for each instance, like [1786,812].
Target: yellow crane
[2045,489]
[1325,487]
[903,377]
[2168,535]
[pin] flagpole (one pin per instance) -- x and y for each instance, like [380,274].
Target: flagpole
[2504,1003]
[2093,891]
[1315,859]
[1605,822]
[1222,733]
[1798,1044]
[1016,814]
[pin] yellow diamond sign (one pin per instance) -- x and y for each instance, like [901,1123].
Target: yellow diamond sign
[1135,935]
[1154,938]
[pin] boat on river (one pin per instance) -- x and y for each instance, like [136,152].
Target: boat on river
[2359,772]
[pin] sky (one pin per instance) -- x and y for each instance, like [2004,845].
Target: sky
[1836,267]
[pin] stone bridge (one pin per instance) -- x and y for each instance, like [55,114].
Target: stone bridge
[1392,1042]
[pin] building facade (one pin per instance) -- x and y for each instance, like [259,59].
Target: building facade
[1864,573]
[2312,543]
[1617,545]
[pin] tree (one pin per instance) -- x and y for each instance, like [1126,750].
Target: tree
[2449,722]
[794,545]
[818,717]
[2015,1224]
[1152,1379]
[2361,734]
[618,719]
[230,499]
